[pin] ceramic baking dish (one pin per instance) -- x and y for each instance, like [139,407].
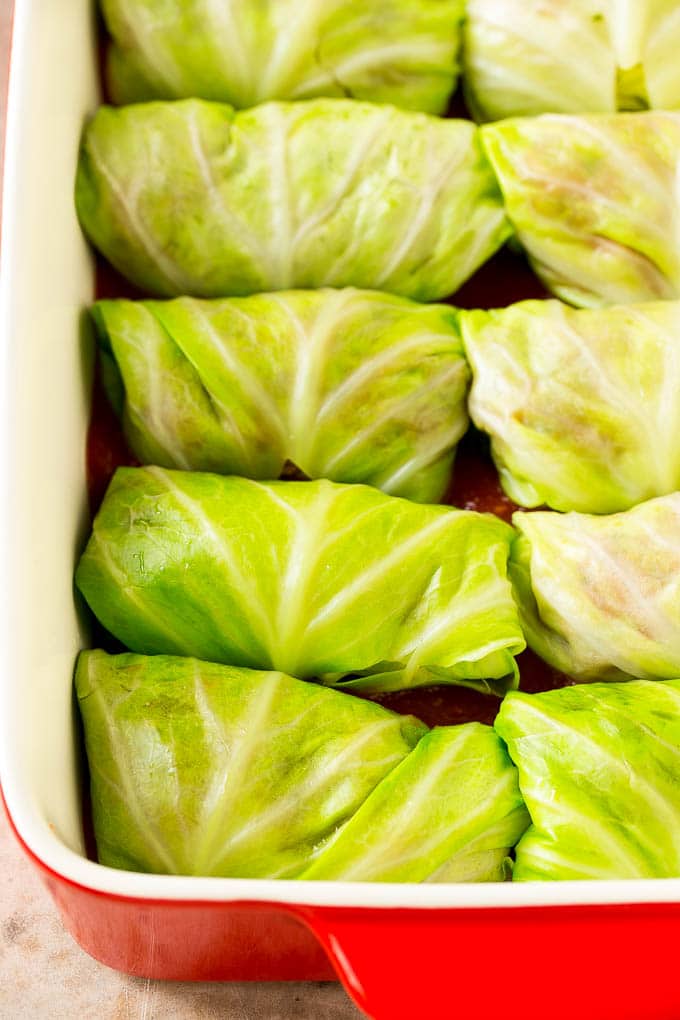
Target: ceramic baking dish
[596,950]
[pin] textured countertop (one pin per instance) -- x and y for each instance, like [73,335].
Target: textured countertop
[44,975]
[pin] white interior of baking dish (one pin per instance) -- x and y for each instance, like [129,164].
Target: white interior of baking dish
[46,281]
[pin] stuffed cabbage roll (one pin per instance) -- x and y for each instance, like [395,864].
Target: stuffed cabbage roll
[202,769]
[316,579]
[595,202]
[355,386]
[582,406]
[247,51]
[452,810]
[599,769]
[600,596]
[525,57]
[192,198]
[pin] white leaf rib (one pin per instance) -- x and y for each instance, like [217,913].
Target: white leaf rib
[375,365]
[233,225]
[240,763]
[381,118]
[629,157]
[226,560]
[392,410]
[616,396]
[151,412]
[169,271]
[556,864]
[128,591]
[617,767]
[459,610]
[466,830]
[303,557]
[643,226]
[268,492]
[290,805]
[401,818]
[389,55]
[311,359]
[643,613]
[428,195]
[240,375]
[147,828]
[446,441]
[222,25]
[281,234]
[292,46]
[376,571]
[137,39]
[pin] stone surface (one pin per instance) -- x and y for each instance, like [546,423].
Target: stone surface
[44,975]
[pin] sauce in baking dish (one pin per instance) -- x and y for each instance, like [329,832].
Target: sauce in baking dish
[475,486]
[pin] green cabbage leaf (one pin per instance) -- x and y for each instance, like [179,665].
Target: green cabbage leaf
[451,810]
[582,406]
[599,769]
[202,769]
[526,57]
[244,52]
[599,597]
[318,580]
[191,198]
[355,386]
[595,201]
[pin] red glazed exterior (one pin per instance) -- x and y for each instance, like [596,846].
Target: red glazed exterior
[610,962]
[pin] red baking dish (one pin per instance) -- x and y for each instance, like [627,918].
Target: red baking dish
[597,950]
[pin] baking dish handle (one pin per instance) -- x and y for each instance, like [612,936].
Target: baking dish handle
[613,962]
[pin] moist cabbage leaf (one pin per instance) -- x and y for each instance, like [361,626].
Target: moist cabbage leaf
[191,198]
[451,810]
[582,406]
[595,201]
[312,578]
[355,386]
[599,597]
[526,57]
[660,57]
[599,769]
[202,769]
[244,52]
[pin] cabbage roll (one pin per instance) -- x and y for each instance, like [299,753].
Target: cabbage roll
[244,52]
[599,769]
[600,596]
[582,406]
[525,57]
[202,769]
[193,198]
[452,810]
[318,580]
[595,202]
[349,385]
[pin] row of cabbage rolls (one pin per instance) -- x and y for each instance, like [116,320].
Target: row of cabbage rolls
[212,753]
[204,769]
[226,741]
[518,57]
[192,197]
